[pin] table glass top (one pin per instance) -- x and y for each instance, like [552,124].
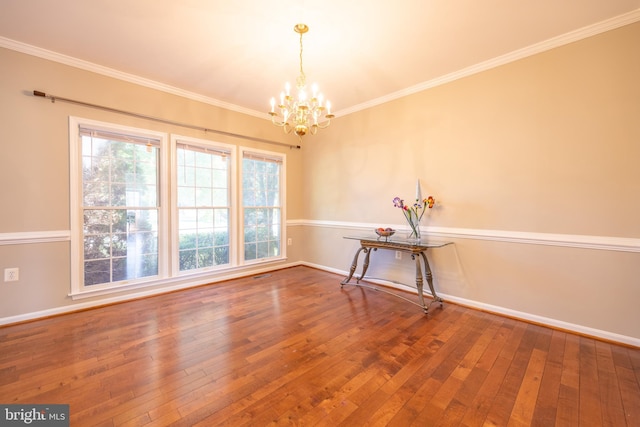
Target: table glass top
[400,239]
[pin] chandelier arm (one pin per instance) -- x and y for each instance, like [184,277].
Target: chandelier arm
[324,124]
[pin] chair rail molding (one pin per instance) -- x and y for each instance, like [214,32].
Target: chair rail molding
[609,243]
[25,237]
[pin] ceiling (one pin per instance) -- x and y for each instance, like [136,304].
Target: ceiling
[238,54]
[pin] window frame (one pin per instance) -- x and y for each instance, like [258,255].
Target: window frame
[76,204]
[232,182]
[282,158]
[168,261]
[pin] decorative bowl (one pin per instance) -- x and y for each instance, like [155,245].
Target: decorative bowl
[384,233]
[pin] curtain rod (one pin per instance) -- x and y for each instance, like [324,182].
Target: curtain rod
[157,119]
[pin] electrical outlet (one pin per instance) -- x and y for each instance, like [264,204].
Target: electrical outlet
[11,274]
[398,255]
[289,241]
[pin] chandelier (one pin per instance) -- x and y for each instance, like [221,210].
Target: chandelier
[302,113]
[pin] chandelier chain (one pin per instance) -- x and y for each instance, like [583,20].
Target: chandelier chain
[301,71]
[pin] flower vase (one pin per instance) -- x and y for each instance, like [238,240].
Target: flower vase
[414,224]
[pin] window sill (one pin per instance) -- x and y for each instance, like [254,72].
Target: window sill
[182,281]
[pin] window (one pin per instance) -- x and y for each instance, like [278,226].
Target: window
[262,203]
[135,221]
[118,205]
[203,204]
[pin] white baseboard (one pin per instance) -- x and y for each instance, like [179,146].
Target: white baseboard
[553,323]
[200,281]
[527,317]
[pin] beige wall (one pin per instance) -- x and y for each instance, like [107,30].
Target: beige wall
[34,166]
[528,161]
[549,144]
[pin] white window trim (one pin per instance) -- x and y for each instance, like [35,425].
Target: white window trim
[75,198]
[168,261]
[283,206]
[233,216]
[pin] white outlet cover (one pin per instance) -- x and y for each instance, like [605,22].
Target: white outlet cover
[11,274]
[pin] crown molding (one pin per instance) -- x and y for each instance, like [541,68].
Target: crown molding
[130,78]
[573,36]
[552,43]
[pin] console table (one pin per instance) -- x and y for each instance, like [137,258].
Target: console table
[416,248]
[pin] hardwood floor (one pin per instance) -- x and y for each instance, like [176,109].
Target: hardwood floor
[293,348]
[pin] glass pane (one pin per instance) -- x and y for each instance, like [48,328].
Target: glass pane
[262,226]
[262,233]
[205,218]
[220,197]
[186,175]
[205,239]
[204,196]
[188,240]
[263,250]
[248,198]
[143,195]
[219,162]
[250,251]
[274,248]
[97,221]
[203,160]
[96,272]
[120,220]
[221,255]
[186,196]
[97,246]
[250,234]
[221,217]
[260,198]
[205,257]
[204,177]
[188,219]
[274,232]
[220,178]
[188,260]
[204,183]
[95,193]
[119,245]
[248,167]
[221,237]
[189,157]
[147,243]
[119,269]
[118,196]
[149,265]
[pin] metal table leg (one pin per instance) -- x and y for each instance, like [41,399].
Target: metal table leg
[354,265]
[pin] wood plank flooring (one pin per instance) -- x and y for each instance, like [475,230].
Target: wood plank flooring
[293,348]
